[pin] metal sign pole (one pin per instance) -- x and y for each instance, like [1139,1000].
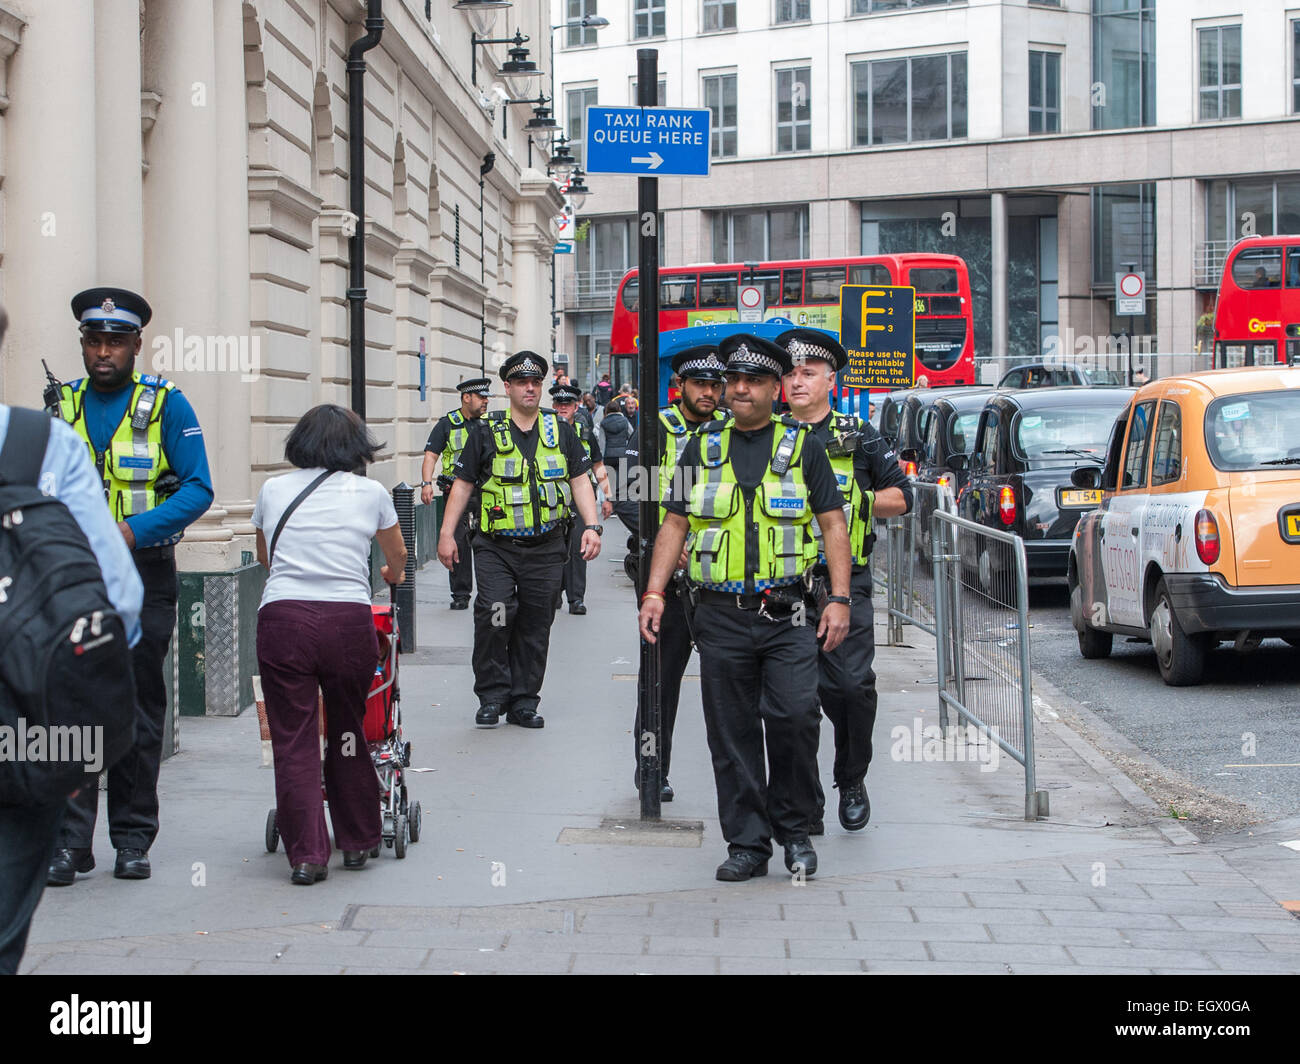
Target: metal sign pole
[649,692]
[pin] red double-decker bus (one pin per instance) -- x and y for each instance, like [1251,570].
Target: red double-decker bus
[807,292]
[1257,317]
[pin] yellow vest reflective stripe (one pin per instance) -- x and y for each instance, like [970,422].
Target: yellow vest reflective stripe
[455,440]
[679,430]
[134,459]
[860,504]
[527,494]
[720,512]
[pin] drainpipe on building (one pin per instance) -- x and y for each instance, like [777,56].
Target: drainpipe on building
[357,199]
[485,168]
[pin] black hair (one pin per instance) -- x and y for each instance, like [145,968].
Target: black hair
[330,437]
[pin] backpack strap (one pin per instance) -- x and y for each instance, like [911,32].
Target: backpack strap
[270,552]
[24,447]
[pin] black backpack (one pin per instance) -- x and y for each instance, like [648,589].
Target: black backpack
[67,689]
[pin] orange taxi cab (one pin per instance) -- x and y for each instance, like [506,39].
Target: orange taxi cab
[1197,539]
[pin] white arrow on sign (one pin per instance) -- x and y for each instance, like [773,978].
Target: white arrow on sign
[654,159]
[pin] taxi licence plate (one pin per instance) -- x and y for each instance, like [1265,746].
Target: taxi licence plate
[1081,497]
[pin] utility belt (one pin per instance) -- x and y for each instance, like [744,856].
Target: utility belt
[444,482]
[776,603]
[547,534]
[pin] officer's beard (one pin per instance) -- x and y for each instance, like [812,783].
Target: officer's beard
[111,383]
[695,413]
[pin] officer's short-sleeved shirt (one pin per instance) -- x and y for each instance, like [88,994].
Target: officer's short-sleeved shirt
[593,443]
[875,462]
[441,434]
[750,453]
[475,461]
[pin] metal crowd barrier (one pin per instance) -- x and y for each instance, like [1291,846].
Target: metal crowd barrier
[981,600]
[901,542]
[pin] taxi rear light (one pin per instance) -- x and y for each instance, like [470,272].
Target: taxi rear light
[1007,505]
[1207,537]
[945,481]
[909,469]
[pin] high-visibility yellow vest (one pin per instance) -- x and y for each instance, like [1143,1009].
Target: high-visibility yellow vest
[455,440]
[584,437]
[135,459]
[861,504]
[527,495]
[722,556]
[678,430]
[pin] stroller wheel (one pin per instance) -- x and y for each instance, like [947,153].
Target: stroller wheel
[399,838]
[374,852]
[414,822]
[406,755]
[272,832]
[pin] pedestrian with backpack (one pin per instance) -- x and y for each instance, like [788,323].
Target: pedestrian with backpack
[62,563]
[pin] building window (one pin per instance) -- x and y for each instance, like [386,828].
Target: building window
[578,36]
[759,235]
[1044,92]
[576,102]
[718,15]
[720,99]
[793,109]
[871,7]
[1261,207]
[901,100]
[649,18]
[1123,231]
[1123,63]
[792,11]
[1219,48]
[662,95]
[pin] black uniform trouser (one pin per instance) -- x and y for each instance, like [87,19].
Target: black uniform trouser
[760,676]
[518,579]
[461,575]
[28,834]
[133,781]
[674,655]
[847,687]
[574,581]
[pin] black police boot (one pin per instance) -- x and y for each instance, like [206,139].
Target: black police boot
[577,608]
[525,718]
[460,604]
[742,866]
[65,864]
[800,855]
[666,794]
[132,864]
[488,716]
[855,807]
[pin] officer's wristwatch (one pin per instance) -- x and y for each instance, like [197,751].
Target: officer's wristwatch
[842,600]
[426,483]
[598,529]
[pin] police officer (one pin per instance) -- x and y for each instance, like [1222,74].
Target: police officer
[757,481]
[699,370]
[868,475]
[148,450]
[564,397]
[445,443]
[530,467]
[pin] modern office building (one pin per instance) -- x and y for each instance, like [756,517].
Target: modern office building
[1048,142]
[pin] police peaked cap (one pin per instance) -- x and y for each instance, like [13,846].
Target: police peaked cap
[565,393]
[476,386]
[699,363]
[111,310]
[523,364]
[803,344]
[754,355]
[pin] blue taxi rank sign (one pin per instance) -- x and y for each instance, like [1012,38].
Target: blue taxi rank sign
[878,333]
[648,141]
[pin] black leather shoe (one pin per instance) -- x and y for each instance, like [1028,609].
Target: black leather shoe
[817,827]
[855,807]
[488,716]
[742,866]
[355,858]
[132,864]
[460,604]
[578,609]
[65,864]
[525,718]
[799,854]
[666,795]
[304,875]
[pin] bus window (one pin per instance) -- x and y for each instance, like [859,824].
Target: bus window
[717,290]
[630,300]
[769,282]
[1258,268]
[870,273]
[792,287]
[931,279]
[824,284]
[1293,267]
[677,293]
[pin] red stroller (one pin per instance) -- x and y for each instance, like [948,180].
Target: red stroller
[389,752]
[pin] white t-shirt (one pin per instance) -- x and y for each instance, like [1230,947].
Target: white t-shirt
[324,551]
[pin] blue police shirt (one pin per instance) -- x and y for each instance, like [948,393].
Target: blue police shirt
[68,475]
[182,440]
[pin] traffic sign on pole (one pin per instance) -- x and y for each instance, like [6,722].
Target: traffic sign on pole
[878,332]
[648,141]
[1130,293]
[751,303]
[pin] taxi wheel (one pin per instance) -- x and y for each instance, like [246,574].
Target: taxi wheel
[1093,643]
[1181,657]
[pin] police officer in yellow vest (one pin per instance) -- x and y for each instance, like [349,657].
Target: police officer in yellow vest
[699,370]
[445,443]
[531,470]
[147,446]
[564,397]
[747,493]
[867,471]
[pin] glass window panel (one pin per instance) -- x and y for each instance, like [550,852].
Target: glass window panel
[792,10]
[933,280]
[719,15]
[1293,267]
[1230,56]
[717,290]
[788,231]
[747,237]
[889,102]
[1258,268]
[1209,104]
[1231,103]
[1209,40]
[958,94]
[1254,204]
[677,293]
[869,273]
[769,281]
[1216,204]
[1123,63]
[792,287]
[1036,79]
[1288,205]
[824,284]
[1135,454]
[1052,81]
[1166,464]
[861,103]
[930,97]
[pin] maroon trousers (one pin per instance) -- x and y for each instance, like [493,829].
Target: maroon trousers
[331,645]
